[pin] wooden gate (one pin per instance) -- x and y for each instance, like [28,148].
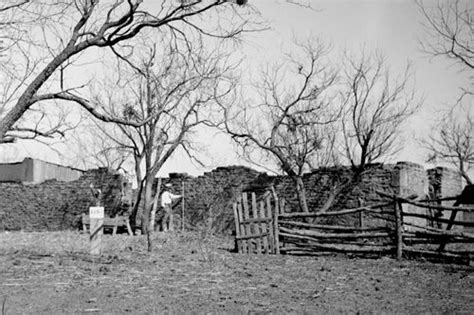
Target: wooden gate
[256,224]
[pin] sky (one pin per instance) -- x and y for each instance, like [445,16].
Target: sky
[394,27]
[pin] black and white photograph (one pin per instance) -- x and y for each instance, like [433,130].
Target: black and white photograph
[236,157]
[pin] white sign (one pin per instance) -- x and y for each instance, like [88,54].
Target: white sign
[96,212]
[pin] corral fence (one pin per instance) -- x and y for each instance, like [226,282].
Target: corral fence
[399,227]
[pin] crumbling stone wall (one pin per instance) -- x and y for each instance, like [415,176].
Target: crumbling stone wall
[321,183]
[209,197]
[54,205]
[212,194]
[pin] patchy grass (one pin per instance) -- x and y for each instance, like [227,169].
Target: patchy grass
[53,273]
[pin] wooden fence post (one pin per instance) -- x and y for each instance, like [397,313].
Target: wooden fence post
[276,212]
[361,213]
[240,211]
[275,228]
[398,228]
[264,228]
[269,214]
[256,226]
[237,228]
[248,231]
[452,217]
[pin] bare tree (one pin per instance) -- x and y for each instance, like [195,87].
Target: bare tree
[41,40]
[289,122]
[449,27]
[174,91]
[452,141]
[375,107]
[449,34]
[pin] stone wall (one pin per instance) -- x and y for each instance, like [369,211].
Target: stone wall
[412,180]
[321,183]
[209,197]
[55,205]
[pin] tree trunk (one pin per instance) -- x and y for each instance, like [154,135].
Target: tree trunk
[340,189]
[26,99]
[301,193]
[155,205]
[133,216]
[147,205]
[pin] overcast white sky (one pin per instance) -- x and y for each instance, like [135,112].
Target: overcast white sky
[392,26]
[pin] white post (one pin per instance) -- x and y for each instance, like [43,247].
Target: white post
[96,215]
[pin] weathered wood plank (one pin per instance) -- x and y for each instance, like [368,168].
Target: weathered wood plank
[436,231]
[333,227]
[338,248]
[425,216]
[423,205]
[371,208]
[113,223]
[247,228]
[255,214]
[315,234]
[256,220]
[237,228]
[269,214]
[398,229]
[264,228]
[242,230]
[275,222]
[252,236]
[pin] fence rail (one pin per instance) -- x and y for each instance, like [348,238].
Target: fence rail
[398,234]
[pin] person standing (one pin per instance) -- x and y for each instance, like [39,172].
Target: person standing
[167,198]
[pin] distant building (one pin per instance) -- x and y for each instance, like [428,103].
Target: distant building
[32,171]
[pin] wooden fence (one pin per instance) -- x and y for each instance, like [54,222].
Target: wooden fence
[256,224]
[385,228]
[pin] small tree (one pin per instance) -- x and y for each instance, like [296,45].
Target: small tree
[376,105]
[289,123]
[449,28]
[452,141]
[173,93]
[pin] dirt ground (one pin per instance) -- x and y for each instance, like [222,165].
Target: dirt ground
[52,273]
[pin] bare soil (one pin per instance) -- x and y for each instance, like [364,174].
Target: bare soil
[52,273]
